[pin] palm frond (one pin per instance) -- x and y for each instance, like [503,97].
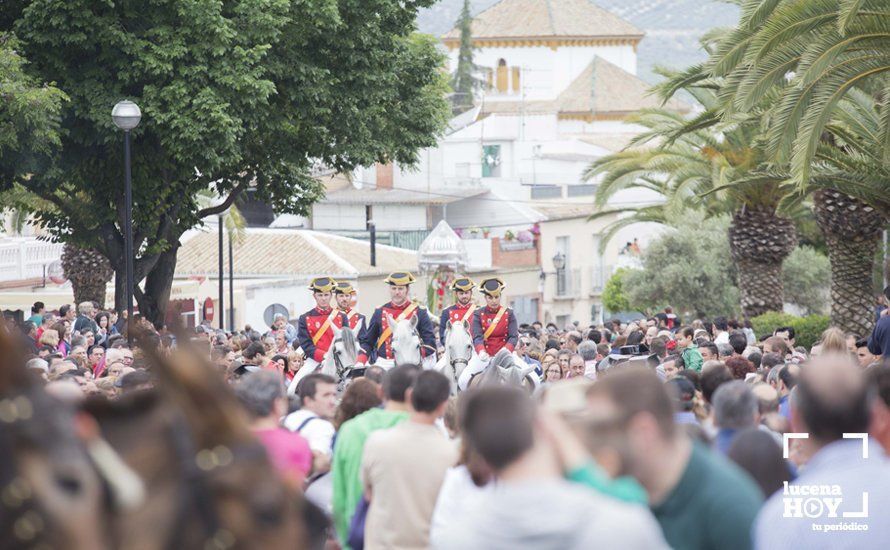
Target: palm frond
[828,91]
[847,12]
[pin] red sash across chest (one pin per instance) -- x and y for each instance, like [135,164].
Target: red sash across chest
[316,321]
[459,313]
[355,318]
[395,311]
[494,338]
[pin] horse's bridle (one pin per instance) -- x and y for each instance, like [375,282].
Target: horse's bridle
[338,364]
[454,363]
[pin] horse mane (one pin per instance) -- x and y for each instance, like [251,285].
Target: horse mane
[503,358]
[206,401]
[14,374]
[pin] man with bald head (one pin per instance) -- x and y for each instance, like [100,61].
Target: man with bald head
[831,399]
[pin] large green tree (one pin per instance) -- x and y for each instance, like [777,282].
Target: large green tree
[236,95]
[29,120]
[698,166]
[689,268]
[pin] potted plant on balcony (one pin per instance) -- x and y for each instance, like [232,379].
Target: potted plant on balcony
[486,231]
[509,235]
[474,232]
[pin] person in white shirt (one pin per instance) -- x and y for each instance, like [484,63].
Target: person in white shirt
[721,330]
[318,403]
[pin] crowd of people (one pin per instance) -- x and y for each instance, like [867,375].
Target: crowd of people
[653,433]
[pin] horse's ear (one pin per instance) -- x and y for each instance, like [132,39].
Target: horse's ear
[414,321]
[466,324]
[448,325]
[337,332]
[390,321]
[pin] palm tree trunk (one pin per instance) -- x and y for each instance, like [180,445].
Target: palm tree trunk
[89,272]
[852,232]
[759,241]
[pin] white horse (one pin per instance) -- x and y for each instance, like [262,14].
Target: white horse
[406,345]
[337,362]
[504,368]
[458,352]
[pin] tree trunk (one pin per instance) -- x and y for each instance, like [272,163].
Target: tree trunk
[852,232]
[120,290]
[759,241]
[760,287]
[89,273]
[158,284]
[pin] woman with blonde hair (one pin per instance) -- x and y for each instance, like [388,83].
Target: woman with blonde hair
[834,340]
[551,370]
[49,337]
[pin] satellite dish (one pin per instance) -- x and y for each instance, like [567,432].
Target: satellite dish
[272,311]
[56,273]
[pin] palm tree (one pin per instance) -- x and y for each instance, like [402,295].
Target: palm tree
[697,166]
[801,66]
[849,163]
[814,53]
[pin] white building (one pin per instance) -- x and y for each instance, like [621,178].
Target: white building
[561,81]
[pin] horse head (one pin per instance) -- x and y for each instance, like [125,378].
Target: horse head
[210,482]
[343,353]
[405,341]
[52,496]
[505,368]
[458,346]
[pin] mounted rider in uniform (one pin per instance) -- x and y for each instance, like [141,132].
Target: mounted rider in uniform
[462,310]
[344,296]
[379,334]
[494,326]
[315,331]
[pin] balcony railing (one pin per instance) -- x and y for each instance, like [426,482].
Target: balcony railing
[581,190]
[509,246]
[599,276]
[546,192]
[567,284]
[22,259]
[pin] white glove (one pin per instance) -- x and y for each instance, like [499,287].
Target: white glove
[359,365]
[483,355]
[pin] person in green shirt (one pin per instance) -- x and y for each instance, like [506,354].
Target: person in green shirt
[701,500]
[692,358]
[350,445]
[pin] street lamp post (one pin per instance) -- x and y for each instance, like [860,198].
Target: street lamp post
[126,116]
[221,308]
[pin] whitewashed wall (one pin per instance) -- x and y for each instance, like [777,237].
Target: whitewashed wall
[545,72]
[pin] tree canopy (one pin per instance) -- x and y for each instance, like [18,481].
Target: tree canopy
[236,95]
[29,115]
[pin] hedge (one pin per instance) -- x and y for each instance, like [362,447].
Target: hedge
[808,330]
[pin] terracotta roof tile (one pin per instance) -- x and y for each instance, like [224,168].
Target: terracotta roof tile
[291,253]
[548,19]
